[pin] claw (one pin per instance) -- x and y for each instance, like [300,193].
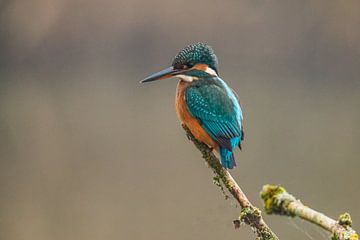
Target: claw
[188,137]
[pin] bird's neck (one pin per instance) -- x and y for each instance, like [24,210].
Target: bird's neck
[181,86]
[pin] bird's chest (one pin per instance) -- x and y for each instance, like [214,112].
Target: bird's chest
[186,118]
[180,102]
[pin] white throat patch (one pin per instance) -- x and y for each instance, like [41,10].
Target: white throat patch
[186,78]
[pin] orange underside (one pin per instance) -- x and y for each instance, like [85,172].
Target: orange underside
[186,118]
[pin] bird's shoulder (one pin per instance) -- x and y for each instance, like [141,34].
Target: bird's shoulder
[212,96]
[214,105]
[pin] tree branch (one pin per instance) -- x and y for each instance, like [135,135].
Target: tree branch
[249,213]
[278,201]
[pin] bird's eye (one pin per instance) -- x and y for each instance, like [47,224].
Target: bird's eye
[183,66]
[188,65]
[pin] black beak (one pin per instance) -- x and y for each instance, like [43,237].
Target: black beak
[164,74]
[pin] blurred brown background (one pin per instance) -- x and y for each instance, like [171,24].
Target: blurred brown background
[86,152]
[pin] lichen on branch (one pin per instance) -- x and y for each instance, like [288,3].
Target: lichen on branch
[278,201]
[249,215]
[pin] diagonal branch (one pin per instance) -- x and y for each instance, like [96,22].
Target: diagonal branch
[249,213]
[278,201]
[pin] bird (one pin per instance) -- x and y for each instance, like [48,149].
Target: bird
[204,102]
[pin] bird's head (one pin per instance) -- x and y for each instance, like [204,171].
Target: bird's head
[191,63]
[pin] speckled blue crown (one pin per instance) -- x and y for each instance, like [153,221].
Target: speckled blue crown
[195,54]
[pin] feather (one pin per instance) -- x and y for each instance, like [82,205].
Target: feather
[216,108]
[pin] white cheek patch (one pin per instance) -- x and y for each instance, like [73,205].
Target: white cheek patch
[210,71]
[186,78]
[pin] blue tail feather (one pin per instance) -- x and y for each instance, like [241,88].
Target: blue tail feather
[227,156]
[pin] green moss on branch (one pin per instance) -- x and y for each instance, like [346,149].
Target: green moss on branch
[345,220]
[278,201]
[249,214]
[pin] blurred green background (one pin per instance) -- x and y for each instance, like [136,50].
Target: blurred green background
[86,152]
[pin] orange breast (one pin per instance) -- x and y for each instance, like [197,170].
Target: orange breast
[186,118]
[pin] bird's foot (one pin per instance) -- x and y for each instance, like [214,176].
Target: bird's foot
[188,137]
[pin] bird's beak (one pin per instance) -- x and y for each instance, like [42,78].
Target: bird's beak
[164,74]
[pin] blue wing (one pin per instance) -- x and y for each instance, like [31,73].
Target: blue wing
[217,109]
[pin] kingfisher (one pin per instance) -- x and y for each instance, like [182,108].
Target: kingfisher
[204,102]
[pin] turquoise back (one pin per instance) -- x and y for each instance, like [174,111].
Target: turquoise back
[217,109]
